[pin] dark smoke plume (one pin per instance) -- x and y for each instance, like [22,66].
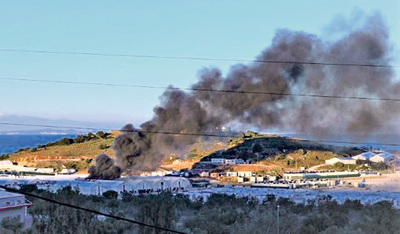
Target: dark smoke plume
[202,111]
[105,168]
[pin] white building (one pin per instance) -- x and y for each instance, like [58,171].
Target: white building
[13,205]
[155,183]
[382,157]
[9,166]
[244,173]
[6,165]
[67,171]
[218,160]
[364,156]
[346,161]
[205,174]
[234,161]
[231,174]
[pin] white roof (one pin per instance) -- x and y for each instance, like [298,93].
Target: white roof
[341,159]
[346,159]
[366,155]
[5,194]
[6,163]
[385,155]
[132,179]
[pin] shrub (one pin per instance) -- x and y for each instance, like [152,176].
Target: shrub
[103,146]
[4,156]
[12,223]
[110,194]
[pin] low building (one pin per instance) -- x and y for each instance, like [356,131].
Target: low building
[347,161]
[384,157]
[364,156]
[14,205]
[231,174]
[6,165]
[218,160]
[319,175]
[66,171]
[244,173]
[242,179]
[234,161]
[204,174]
[45,170]
[216,174]
[259,179]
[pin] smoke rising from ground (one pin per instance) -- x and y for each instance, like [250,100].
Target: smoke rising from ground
[105,168]
[201,111]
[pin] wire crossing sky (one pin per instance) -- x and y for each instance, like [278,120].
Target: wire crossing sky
[149,44]
[204,59]
[200,134]
[203,90]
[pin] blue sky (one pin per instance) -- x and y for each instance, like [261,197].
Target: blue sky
[212,29]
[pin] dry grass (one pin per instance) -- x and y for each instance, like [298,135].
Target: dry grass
[63,153]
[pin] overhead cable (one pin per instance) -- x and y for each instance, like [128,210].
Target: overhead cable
[191,134]
[202,89]
[271,61]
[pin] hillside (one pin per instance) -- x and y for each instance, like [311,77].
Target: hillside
[77,153]
[271,152]
[257,147]
[277,153]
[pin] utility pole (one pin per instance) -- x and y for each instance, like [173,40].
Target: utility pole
[277,220]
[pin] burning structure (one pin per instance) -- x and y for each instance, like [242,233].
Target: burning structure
[281,73]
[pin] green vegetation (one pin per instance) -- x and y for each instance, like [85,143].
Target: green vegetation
[12,224]
[4,156]
[221,213]
[257,147]
[76,153]
[360,165]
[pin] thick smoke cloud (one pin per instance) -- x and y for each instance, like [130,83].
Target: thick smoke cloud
[201,111]
[105,168]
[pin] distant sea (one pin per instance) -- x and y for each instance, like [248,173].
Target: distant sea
[12,143]
[390,142]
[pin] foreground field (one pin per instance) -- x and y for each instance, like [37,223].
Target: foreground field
[220,213]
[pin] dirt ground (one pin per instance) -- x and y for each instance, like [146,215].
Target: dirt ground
[385,182]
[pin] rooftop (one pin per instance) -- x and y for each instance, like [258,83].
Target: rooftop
[5,194]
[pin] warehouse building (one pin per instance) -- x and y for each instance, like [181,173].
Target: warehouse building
[364,156]
[384,157]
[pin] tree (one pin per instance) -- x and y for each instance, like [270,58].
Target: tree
[257,148]
[110,194]
[101,135]
[158,210]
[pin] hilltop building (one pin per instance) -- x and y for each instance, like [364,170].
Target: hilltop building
[8,166]
[364,156]
[229,161]
[384,157]
[234,161]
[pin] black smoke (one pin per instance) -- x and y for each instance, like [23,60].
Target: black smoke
[105,168]
[201,111]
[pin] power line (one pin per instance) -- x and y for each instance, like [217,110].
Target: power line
[90,210]
[199,58]
[201,89]
[194,134]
